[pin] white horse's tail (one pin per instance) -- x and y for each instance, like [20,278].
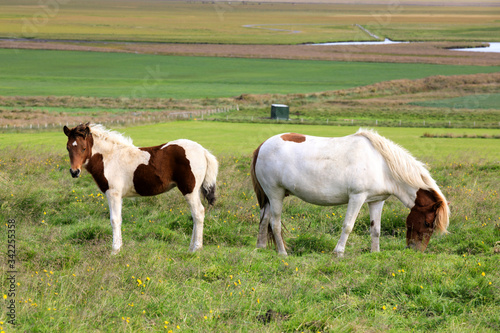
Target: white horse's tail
[208,186]
[262,198]
[406,169]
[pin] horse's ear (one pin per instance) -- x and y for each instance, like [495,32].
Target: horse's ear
[437,205]
[87,129]
[66,130]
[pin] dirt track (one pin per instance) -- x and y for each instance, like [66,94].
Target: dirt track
[425,52]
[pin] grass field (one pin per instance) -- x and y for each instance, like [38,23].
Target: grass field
[45,73]
[230,139]
[225,22]
[479,101]
[66,279]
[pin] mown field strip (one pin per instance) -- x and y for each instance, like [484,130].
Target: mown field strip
[67,73]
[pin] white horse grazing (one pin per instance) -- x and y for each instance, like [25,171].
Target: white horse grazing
[121,169]
[359,168]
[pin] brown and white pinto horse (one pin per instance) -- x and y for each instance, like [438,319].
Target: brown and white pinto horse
[359,168]
[122,170]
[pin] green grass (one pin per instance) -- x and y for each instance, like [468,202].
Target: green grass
[59,73]
[244,138]
[68,281]
[473,102]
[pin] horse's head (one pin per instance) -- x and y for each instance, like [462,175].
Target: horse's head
[79,146]
[422,222]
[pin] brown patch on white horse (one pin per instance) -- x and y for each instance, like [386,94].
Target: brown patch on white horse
[168,167]
[293,137]
[96,168]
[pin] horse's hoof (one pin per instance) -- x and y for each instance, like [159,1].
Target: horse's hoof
[339,254]
[194,249]
[115,252]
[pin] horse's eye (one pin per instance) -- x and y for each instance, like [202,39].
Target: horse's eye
[84,148]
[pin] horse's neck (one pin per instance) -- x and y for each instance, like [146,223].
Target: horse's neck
[106,148]
[406,194]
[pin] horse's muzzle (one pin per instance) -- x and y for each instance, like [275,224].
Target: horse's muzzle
[75,174]
[415,247]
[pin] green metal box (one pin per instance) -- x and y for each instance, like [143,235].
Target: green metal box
[280,111]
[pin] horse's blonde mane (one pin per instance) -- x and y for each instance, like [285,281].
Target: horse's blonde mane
[102,133]
[407,169]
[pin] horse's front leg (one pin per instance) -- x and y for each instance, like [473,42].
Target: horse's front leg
[353,207]
[115,215]
[375,218]
[198,214]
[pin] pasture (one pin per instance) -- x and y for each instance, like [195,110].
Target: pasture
[68,281]
[247,22]
[67,73]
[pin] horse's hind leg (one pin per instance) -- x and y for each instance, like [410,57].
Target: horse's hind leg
[198,214]
[375,217]
[353,207]
[276,206]
[263,226]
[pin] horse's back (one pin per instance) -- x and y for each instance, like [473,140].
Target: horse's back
[320,170]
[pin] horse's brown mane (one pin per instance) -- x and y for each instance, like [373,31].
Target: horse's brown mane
[80,130]
[442,213]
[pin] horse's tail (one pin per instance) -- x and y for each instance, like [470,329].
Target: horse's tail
[208,186]
[262,198]
[405,168]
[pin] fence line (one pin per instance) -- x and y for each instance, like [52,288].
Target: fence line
[127,119]
[207,115]
[366,122]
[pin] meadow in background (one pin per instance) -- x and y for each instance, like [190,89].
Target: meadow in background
[249,22]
